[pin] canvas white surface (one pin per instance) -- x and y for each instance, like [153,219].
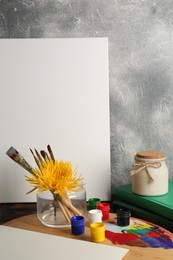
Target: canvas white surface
[17,244]
[55,91]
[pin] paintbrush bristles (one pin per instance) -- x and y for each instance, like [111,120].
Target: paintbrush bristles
[18,158]
[44,155]
[50,153]
[35,158]
[38,155]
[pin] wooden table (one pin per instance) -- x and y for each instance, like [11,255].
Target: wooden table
[32,223]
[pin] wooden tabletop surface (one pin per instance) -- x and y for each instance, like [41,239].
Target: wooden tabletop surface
[32,223]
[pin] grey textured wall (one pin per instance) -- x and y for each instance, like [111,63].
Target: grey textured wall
[140,36]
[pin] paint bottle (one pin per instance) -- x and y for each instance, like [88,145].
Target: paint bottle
[77,225]
[95,215]
[123,217]
[97,232]
[92,202]
[150,174]
[105,208]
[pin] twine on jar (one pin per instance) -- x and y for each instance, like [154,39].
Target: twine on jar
[145,166]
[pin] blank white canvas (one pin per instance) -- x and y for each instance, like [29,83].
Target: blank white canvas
[17,244]
[55,91]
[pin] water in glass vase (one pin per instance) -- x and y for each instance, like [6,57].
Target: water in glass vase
[54,213]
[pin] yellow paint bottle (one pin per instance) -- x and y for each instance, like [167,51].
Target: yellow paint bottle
[97,232]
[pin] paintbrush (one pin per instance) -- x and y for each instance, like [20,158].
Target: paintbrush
[18,158]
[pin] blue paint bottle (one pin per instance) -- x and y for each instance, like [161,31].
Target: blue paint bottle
[77,225]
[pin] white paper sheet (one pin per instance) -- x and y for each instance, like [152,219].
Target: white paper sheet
[18,244]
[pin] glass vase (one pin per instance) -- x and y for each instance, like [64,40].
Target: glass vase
[49,210]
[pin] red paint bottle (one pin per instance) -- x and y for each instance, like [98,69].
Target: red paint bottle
[105,208]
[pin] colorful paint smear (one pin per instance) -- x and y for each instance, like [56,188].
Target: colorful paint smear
[141,234]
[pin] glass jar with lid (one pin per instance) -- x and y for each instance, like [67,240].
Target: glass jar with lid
[149,173]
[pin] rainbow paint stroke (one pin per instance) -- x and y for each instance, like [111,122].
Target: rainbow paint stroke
[140,234]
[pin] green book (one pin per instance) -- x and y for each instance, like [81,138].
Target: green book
[143,214]
[159,205]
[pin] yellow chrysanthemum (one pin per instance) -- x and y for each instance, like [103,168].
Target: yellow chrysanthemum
[56,176]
